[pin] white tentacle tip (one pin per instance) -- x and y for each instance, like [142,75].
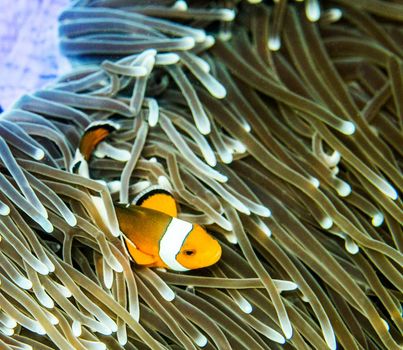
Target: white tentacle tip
[117,267]
[47,225]
[228,15]
[351,246]
[201,36]
[225,35]
[65,291]
[24,283]
[347,128]
[39,154]
[209,41]
[210,159]
[7,331]
[227,226]
[231,238]
[9,322]
[245,306]
[102,329]
[4,210]
[377,219]
[334,158]
[122,338]
[313,11]
[76,328]
[41,268]
[276,336]
[71,220]
[113,326]
[265,212]
[39,329]
[221,178]
[331,340]
[201,341]
[124,155]
[267,231]
[386,324]
[53,319]
[274,43]
[287,329]
[180,5]
[344,189]
[335,14]
[391,193]
[220,91]
[314,181]
[50,266]
[281,340]
[188,43]
[285,286]
[204,128]
[326,223]
[168,294]
[47,301]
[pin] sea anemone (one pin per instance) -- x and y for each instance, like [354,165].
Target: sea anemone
[276,126]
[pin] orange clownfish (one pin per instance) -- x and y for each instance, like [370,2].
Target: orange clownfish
[153,234]
[94,134]
[155,237]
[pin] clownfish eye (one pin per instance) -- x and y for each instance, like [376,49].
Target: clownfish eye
[189,252]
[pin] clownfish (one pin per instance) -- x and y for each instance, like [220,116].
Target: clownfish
[151,230]
[93,135]
[155,237]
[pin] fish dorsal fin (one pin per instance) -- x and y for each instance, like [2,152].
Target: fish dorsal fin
[138,256]
[157,198]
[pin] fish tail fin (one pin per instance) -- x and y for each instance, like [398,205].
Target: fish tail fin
[94,134]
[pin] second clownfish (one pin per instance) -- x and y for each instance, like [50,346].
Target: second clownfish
[153,234]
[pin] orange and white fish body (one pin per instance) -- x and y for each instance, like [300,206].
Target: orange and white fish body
[158,238]
[153,234]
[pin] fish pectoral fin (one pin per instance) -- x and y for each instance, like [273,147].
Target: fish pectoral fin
[138,256]
[158,199]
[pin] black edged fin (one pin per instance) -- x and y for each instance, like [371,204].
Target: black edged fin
[106,124]
[159,199]
[148,192]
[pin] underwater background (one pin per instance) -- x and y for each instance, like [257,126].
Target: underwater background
[277,125]
[29,47]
